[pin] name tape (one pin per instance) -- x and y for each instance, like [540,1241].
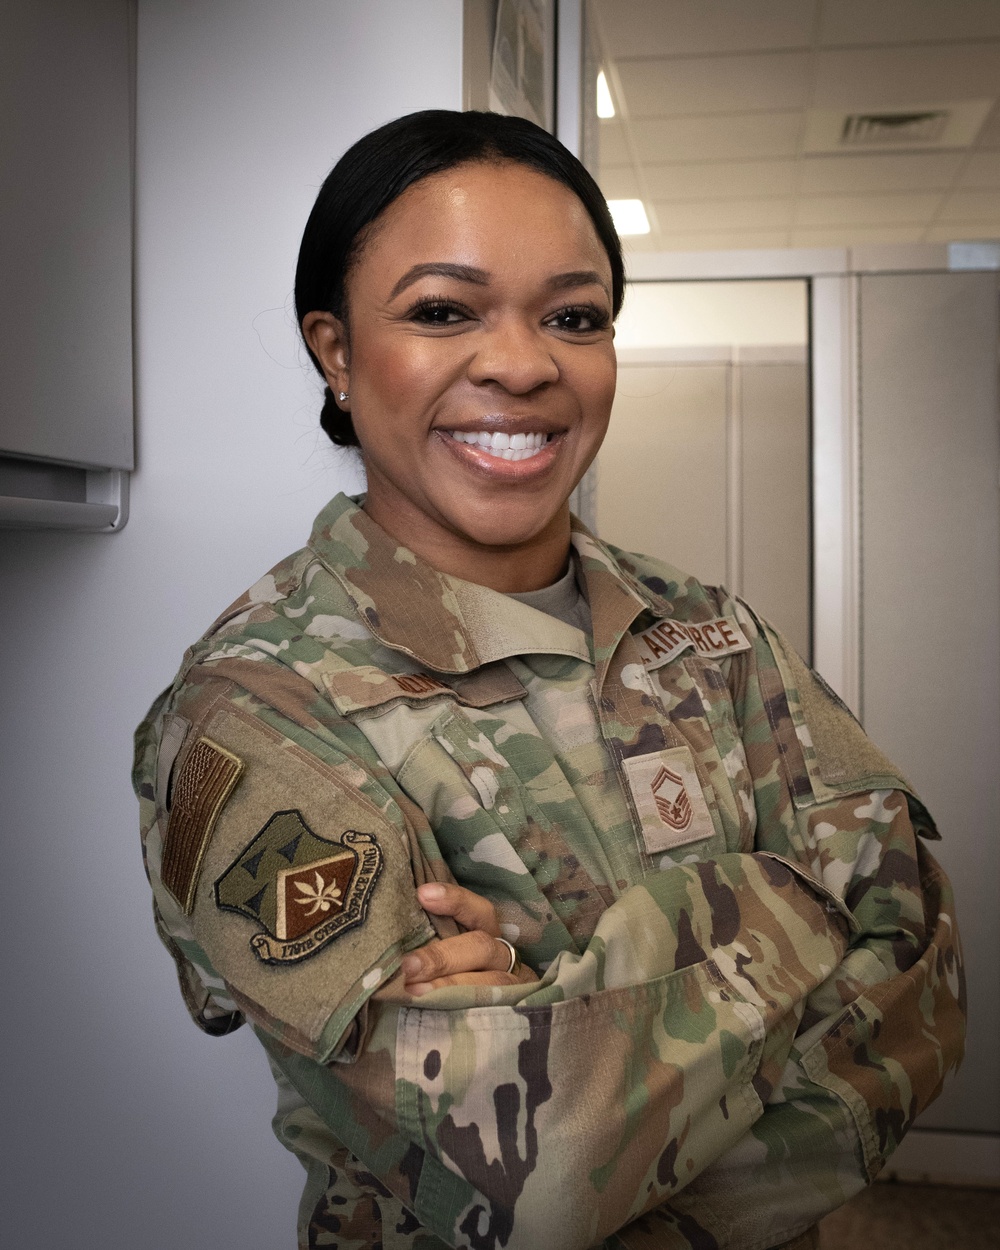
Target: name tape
[665,640]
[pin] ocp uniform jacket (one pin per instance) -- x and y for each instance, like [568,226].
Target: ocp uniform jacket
[750,982]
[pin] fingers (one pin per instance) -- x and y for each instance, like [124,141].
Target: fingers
[470,910]
[419,988]
[476,951]
[474,957]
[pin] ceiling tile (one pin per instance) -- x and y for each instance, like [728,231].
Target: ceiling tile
[971,206]
[908,21]
[846,236]
[961,230]
[611,144]
[728,137]
[867,78]
[674,216]
[720,84]
[866,210]
[715,241]
[620,183]
[897,171]
[982,170]
[725,180]
[689,27]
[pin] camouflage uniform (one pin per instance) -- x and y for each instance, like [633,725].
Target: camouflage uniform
[750,979]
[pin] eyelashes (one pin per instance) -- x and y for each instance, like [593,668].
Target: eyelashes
[436,311]
[597,317]
[440,312]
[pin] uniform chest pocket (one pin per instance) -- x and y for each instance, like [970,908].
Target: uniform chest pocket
[478,798]
[510,827]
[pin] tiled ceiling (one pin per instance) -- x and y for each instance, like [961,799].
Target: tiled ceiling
[712,99]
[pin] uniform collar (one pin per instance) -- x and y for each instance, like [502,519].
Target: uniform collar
[453,626]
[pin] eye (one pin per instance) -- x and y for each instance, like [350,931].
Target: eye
[437,312]
[579,319]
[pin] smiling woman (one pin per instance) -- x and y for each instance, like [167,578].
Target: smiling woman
[571,908]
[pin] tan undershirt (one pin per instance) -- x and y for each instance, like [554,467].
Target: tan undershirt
[563,600]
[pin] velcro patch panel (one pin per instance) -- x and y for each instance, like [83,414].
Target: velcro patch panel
[713,639]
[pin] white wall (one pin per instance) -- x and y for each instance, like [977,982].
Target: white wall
[125,1125]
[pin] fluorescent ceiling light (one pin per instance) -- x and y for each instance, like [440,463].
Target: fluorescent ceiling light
[629,216]
[605,104]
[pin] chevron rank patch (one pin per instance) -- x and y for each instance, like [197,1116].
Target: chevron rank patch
[304,890]
[665,640]
[669,799]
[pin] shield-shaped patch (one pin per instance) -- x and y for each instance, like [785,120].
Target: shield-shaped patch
[305,890]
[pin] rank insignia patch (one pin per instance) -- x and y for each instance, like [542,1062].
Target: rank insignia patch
[668,799]
[304,890]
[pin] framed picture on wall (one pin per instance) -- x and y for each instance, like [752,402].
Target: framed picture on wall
[522,70]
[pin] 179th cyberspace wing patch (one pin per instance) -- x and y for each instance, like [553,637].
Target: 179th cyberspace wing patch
[304,890]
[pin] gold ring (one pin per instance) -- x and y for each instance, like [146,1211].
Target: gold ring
[515,958]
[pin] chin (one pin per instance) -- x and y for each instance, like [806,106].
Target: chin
[505,524]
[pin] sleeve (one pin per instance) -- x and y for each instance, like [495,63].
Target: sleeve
[549,1114]
[282,874]
[880,1033]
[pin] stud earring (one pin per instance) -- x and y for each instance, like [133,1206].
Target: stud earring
[342,396]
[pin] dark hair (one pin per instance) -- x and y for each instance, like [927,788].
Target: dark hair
[378,169]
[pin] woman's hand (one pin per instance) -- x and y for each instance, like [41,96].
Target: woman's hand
[475,957]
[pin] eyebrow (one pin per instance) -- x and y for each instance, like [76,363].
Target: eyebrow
[578,277]
[479,277]
[461,273]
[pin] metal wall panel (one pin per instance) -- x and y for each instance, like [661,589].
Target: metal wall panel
[66,242]
[662,469]
[930,460]
[775,506]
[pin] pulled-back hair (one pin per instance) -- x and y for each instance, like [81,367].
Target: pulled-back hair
[377,169]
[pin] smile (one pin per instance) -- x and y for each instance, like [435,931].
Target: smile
[503,446]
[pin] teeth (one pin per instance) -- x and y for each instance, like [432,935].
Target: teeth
[503,446]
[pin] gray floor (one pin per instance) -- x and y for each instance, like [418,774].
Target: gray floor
[915,1217]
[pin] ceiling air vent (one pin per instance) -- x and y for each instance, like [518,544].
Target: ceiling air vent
[914,128]
[888,129]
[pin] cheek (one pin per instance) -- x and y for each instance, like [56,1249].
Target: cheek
[595,387]
[399,373]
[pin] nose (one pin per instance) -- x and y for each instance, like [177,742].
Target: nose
[515,356]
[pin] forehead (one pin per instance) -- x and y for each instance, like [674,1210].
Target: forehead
[489,215]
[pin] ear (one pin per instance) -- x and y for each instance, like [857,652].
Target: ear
[327,339]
